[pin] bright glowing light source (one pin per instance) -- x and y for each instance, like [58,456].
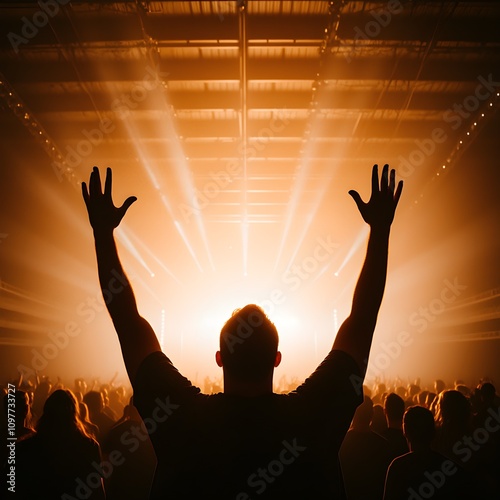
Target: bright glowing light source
[152,275]
[444,166]
[284,322]
[214,321]
[336,273]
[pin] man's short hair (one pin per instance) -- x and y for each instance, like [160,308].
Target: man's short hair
[394,407]
[248,344]
[419,425]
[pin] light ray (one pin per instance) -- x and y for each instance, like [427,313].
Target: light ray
[294,201]
[125,241]
[148,168]
[182,171]
[156,259]
[189,247]
[307,225]
[362,236]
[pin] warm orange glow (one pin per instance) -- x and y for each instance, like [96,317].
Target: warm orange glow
[242,173]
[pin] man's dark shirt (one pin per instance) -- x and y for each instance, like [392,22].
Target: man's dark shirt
[229,447]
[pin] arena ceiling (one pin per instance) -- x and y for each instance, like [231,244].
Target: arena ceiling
[268,91]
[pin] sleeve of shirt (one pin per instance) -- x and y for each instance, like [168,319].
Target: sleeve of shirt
[336,384]
[159,387]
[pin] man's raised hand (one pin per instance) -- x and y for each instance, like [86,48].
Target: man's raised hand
[103,214]
[379,210]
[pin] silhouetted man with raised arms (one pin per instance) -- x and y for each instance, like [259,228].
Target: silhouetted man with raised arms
[247,442]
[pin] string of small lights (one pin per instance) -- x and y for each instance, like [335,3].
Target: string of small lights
[35,128]
[484,114]
[329,38]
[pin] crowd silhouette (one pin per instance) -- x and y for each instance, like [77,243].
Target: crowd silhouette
[433,445]
[248,436]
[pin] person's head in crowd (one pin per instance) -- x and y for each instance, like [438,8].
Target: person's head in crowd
[487,394]
[394,408]
[379,422]
[463,389]
[248,349]
[453,410]
[401,392]
[419,427]
[61,415]
[422,398]
[94,402]
[429,400]
[413,391]
[439,386]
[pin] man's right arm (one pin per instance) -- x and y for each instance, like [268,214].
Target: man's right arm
[137,338]
[355,335]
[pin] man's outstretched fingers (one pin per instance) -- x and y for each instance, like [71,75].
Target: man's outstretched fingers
[398,192]
[85,193]
[126,204]
[357,198]
[107,185]
[392,181]
[95,182]
[375,183]
[384,181]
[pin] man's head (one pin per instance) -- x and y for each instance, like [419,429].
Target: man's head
[394,408]
[418,426]
[248,346]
